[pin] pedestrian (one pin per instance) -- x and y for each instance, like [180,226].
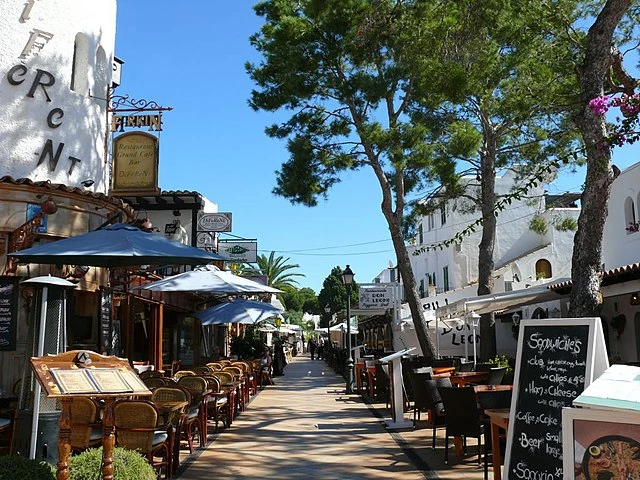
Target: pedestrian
[320,348]
[279,359]
[265,368]
[312,348]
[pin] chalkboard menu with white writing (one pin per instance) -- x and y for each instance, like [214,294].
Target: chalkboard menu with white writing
[555,358]
[105,322]
[8,312]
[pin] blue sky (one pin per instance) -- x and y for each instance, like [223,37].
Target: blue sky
[191,56]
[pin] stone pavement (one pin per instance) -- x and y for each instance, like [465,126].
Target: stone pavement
[305,427]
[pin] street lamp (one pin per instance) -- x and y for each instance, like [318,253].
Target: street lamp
[327,310]
[347,279]
[473,319]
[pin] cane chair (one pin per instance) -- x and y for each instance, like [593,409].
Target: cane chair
[435,405]
[421,401]
[86,427]
[201,370]
[496,375]
[215,366]
[184,421]
[151,374]
[154,382]
[252,382]
[198,388]
[238,376]
[136,429]
[217,402]
[462,418]
[183,373]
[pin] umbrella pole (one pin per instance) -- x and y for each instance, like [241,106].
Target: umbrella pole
[37,388]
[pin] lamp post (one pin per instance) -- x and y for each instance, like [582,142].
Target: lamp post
[347,279]
[473,319]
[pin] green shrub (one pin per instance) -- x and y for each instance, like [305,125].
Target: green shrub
[504,361]
[127,465]
[17,467]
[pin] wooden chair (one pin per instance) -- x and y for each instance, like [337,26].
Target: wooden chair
[201,370]
[136,429]
[215,366]
[86,427]
[239,376]
[183,373]
[154,382]
[198,388]
[462,418]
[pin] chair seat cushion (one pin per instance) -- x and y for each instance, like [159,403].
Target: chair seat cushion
[96,434]
[159,437]
[193,412]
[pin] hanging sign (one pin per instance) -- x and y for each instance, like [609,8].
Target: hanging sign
[239,251]
[135,164]
[214,222]
[375,297]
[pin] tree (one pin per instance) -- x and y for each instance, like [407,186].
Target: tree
[334,294]
[339,68]
[601,65]
[504,111]
[303,300]
[276,269]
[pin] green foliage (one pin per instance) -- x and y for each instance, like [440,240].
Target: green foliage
[538,225]
[249,346]
[276,269]
[127,465]
[334,294]
[504,361]
[565,224]
[302,299]
[17,467]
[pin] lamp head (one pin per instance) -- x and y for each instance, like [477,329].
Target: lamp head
[327,308]
[347,276]
[516,319]
[473,318]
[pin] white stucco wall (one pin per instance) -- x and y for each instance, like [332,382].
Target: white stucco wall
[622,247]
[37,39]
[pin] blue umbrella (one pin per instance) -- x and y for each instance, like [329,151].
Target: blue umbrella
[116,245]
[238,311]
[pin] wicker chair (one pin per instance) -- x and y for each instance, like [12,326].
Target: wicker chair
[154,382]
[184,421]
[239,376]
[217,402]
[183,373]
[252,376]
[151,374]
[136,429]
[201,370]
[215,366]
[86,427]
[198,388]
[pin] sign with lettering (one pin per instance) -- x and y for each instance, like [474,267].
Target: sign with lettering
[8,312]
[375,297]
[239,251]
[135,164]
[214,222]
[556,360]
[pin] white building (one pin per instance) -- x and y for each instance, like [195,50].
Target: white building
[523,258]
[56,63]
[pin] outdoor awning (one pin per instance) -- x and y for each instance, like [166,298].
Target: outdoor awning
[500,301]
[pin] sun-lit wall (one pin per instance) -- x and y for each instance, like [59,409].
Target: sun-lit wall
[56,61]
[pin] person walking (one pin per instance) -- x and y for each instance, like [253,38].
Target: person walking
[312,348]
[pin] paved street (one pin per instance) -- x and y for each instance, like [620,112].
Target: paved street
[305,427]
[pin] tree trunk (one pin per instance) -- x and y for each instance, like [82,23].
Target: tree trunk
[409,282]
[586,269]
[487,243]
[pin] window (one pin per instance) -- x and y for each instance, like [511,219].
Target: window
[431,221]
[630,220]
[543,269]
[80,65]
[100,80]
[420,234]
[445,278]
[433,279]
[422,288]
[443,214]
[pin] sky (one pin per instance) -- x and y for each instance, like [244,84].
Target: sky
[191,56]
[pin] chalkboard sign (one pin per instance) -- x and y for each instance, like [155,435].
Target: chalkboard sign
[555,362]
[105,322]
[8,312]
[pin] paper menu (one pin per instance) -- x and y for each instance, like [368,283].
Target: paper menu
[618,388]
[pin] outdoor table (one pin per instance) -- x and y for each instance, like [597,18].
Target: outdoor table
[438,370]
[167,408]
[492,388]
[462,379]
[499,419]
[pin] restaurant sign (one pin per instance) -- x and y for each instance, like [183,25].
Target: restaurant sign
[375,297]
[135,164]
[214,222]
[239,251]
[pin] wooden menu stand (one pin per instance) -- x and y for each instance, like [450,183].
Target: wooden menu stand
[81,373]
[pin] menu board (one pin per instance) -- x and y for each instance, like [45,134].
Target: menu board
[553,365]
[8,312]
[105,321]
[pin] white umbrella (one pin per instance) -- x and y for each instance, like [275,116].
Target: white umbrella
[208,278]
[238,311]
